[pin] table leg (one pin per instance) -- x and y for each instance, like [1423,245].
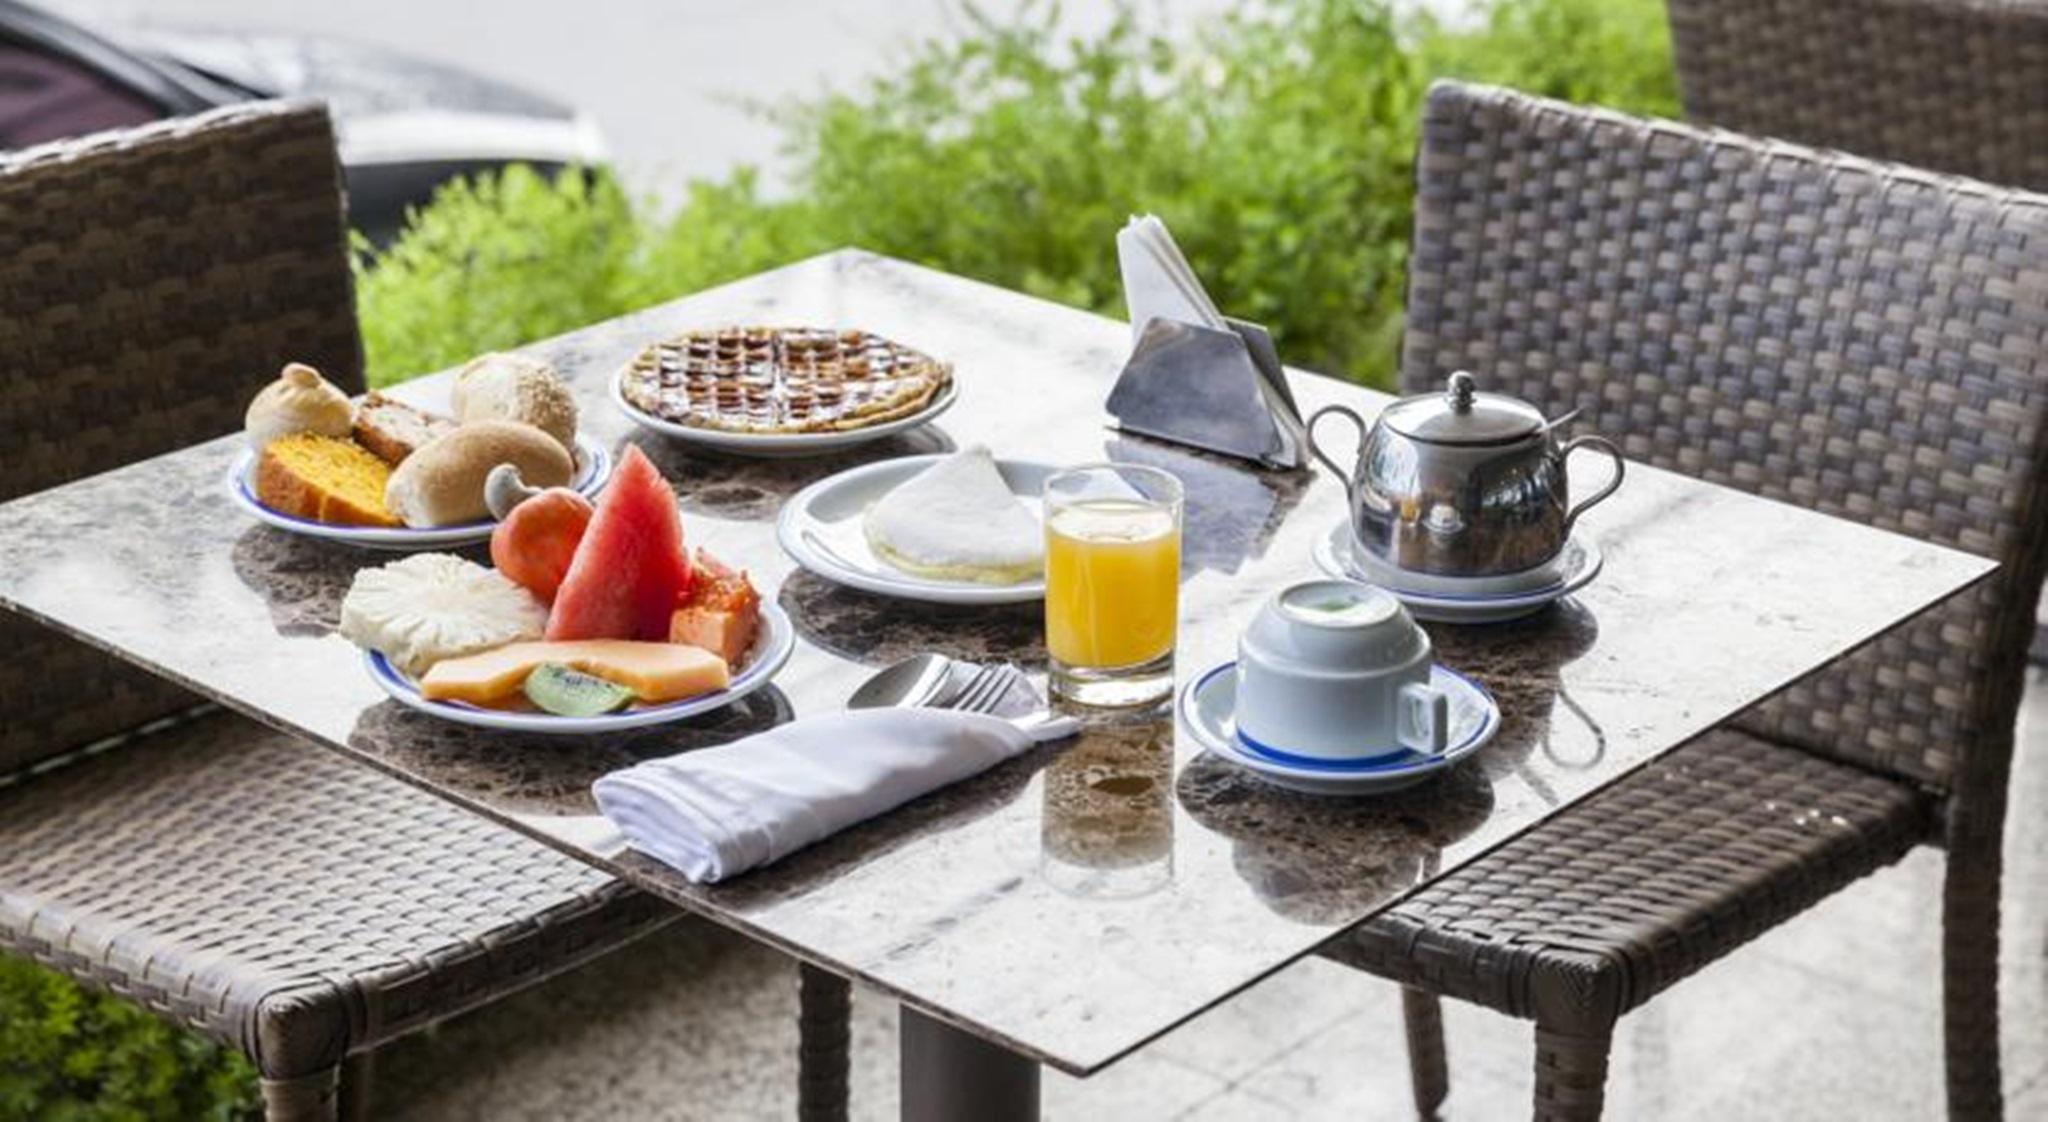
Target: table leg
[950,1075]
[825,1002]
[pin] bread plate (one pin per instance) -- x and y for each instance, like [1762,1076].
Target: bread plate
[593,468]
[783,445]
[771,650]
[821,529]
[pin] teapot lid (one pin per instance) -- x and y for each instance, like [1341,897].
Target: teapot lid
[1463,415]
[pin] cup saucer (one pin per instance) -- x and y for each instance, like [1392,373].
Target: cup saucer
[1208,705]
[1463,599]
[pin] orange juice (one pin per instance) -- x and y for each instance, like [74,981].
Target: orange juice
[1112,582]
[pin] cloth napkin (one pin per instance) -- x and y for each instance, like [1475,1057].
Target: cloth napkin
[717,812]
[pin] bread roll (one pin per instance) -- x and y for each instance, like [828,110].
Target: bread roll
[299,401]
[515,387]
[442,484]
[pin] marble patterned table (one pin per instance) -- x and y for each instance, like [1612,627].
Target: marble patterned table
[1070,906]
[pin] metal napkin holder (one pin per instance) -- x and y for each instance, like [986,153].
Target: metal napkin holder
[1222,391]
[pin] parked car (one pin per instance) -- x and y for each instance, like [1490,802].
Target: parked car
[405,124]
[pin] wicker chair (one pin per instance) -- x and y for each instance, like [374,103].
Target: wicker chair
[299,907]
[1864,339]
[1953,85]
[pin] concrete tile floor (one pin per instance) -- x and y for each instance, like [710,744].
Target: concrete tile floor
[1835,1015]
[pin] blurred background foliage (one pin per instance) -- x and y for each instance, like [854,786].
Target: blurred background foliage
[1276,143]
[68,1055]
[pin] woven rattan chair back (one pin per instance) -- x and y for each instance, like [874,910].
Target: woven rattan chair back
[1862,339]
[1955,85]
[150,281]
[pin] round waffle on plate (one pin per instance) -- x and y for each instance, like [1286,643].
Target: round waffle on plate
[782,389]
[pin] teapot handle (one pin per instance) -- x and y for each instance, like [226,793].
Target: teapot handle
[1343,477]
[1598,444]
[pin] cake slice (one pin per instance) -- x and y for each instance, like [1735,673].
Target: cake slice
[394,430]
[324,479]
[957,520]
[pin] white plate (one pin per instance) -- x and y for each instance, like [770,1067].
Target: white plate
[781,445]
[772,648]
[1463,600]
[593,468]
[1208,704]
[821,529]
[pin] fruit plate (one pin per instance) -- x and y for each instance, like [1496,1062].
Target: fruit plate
[782,445]
[593,468]
[821,529]
[772,648]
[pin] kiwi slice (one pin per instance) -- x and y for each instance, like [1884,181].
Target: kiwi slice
[567,692]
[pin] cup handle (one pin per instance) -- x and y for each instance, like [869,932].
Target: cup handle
[1343,477]
[1598,444]
[1425,722]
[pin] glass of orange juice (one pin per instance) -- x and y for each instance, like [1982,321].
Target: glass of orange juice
[1112,582]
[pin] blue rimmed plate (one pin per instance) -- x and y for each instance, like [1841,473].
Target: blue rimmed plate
[772,648]
[1463,599]
[593,469]
[1208,705]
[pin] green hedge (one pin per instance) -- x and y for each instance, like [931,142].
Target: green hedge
[67,1055]
[1276,143]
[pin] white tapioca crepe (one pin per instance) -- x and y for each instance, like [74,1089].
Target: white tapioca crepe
[957,520]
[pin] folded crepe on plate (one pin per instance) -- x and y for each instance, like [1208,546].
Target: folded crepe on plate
[957,520]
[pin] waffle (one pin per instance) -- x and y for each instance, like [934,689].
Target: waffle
[781,380]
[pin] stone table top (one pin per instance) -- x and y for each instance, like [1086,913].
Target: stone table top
[1077,902]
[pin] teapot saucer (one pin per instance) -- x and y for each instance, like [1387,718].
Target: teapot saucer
[1463,599]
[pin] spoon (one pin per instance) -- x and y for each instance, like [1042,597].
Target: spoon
[916,680]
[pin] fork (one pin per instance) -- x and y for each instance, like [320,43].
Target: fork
[985,689]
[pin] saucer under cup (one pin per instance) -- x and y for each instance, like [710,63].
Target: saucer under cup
[1208,705]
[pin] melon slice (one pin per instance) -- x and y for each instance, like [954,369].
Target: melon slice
[630,569]
[655,672]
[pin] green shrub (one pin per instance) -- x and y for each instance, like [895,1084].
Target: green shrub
[69,1055]
[1276,142]
[1595,52]
[1276,145]
[495,262]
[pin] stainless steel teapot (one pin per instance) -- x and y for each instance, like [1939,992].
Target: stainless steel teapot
[1462,483]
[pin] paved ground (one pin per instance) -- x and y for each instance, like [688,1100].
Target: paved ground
[1833,1016]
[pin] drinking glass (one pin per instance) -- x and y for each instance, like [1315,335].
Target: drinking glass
[1112,582]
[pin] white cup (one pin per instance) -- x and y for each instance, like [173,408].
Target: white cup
[1337,670]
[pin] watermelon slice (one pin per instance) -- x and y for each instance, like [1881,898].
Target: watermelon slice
[630,567]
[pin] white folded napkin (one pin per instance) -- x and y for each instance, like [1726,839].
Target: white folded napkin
[717,812]
[1158,282]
